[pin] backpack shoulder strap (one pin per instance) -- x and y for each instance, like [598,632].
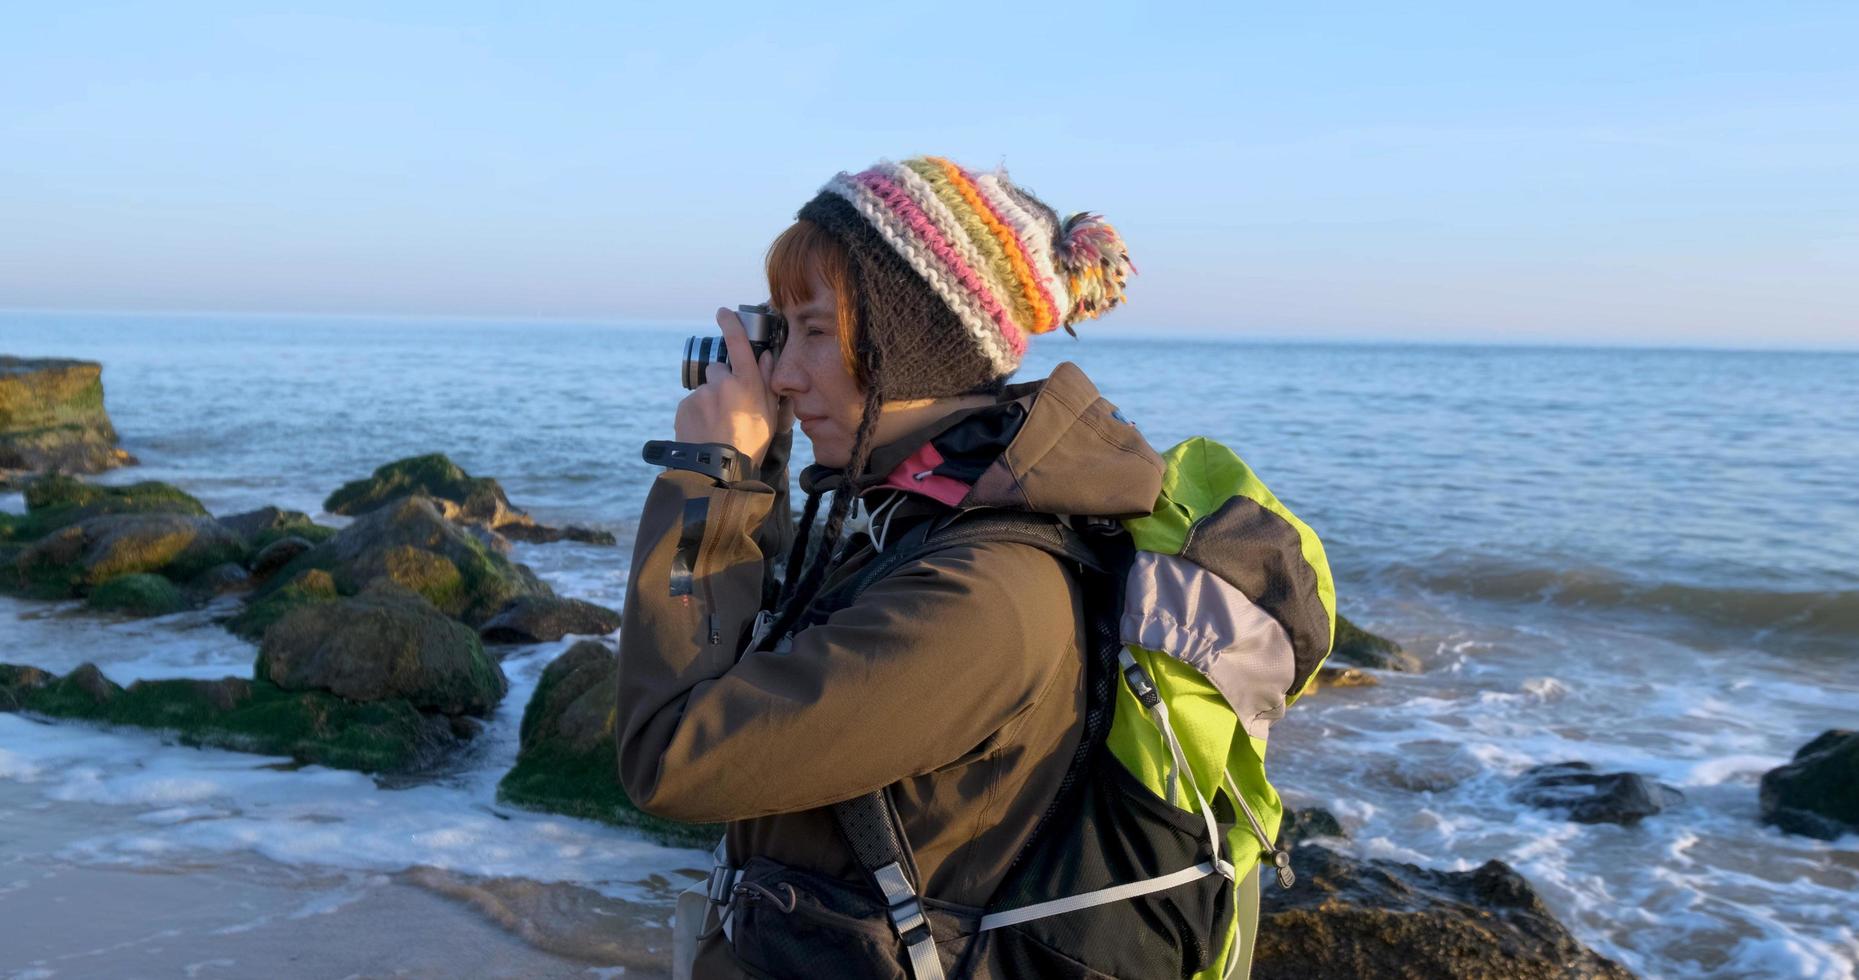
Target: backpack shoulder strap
[870,823]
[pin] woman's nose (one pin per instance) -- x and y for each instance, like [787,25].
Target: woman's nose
[788,379]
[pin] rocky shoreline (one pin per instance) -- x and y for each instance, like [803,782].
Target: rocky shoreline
[378,649]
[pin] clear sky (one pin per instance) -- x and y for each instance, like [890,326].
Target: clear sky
[1665,173]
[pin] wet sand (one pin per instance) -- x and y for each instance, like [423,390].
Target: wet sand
[245,916]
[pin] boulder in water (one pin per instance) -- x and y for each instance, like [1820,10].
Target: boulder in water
[260,528]
[545,619]
[1624,798]
[409,543]
[378,647]
[1816,794]
[277,554]
[304,588]
[52,418]
[73,559]
[567,764]
[58,501]
[458,495]
[1332,676]
[1305,823]
[1380,919]
[1358,647]
[140,594]
[241,715]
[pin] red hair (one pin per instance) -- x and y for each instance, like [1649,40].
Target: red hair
[796,254]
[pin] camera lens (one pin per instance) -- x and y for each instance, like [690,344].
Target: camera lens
[699,354]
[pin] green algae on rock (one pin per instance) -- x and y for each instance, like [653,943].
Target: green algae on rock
[241,715]
[1358,647]
[139,594]
[266,525]
[410,543]
[567,763]
[52,418]
[308,586]
[459,496]
[73,559]
[476,499]
[378,647]
[58,501]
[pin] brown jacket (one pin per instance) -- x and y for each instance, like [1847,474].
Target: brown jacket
[956,679]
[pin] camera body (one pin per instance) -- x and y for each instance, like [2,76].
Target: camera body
[766,331]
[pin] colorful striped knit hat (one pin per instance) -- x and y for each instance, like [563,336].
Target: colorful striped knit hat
[957,269]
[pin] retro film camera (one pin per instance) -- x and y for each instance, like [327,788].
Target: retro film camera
[766,331]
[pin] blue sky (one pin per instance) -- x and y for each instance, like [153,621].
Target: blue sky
[1642,173]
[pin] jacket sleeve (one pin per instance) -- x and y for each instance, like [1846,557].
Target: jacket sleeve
[928,664]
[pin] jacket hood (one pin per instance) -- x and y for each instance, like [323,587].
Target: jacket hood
[1053,446]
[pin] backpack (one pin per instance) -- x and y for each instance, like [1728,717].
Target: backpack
[1207,618]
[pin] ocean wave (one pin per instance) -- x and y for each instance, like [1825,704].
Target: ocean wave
[1829,617]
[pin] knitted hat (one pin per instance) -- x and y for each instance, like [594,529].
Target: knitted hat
[956,270]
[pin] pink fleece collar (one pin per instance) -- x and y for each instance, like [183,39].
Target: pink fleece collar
[917,474]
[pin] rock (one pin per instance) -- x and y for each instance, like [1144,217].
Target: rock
[381,647]
[277,554]
[260,528]
[540,534]
[241,715]
[221,579]
[1358,647]
[84,691]
[52,418]
[1816,794]
[141,594]
[74,558]
[1307,822]
[489,539]
[408,542]
[57,501]
[465,498]
[1381,919]
[566,763]
[17,681]
[1329,676]
[458,496]
[305,588]
[1624,798]
[545,619]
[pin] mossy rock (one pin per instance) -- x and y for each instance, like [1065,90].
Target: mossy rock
[380,647]
[567,764]
[52,417]
[1358,647]
[479,499]
[410,543]
[58,501]
[260,528]
[74,559]
[245,716]
[17,681]
[140,594]
[307,587]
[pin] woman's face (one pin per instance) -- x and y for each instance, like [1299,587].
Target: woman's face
[811,372]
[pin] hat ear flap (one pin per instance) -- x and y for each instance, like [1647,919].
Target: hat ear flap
[1095,263]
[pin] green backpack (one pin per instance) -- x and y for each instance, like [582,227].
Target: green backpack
[1211,615]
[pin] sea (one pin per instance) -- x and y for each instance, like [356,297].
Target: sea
[1646,560]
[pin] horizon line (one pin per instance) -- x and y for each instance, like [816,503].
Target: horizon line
[1109,330]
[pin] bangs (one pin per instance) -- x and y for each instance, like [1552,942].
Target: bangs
[795,256]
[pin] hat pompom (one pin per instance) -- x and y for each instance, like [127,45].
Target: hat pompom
[1095,263]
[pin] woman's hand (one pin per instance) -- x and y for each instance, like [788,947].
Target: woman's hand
[736,404]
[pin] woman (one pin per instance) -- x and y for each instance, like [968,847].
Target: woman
[955,682]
